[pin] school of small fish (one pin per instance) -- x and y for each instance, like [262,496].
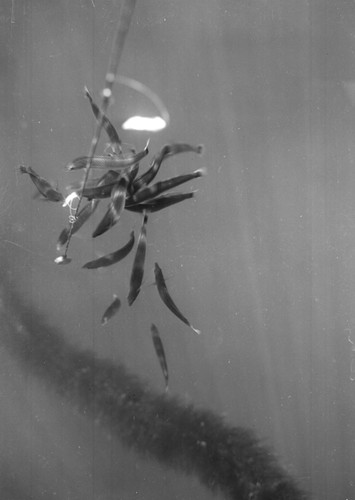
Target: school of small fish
[120,183]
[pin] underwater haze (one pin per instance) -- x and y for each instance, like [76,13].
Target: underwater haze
[261,260]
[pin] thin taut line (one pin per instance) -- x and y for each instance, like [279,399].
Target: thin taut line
[123,24]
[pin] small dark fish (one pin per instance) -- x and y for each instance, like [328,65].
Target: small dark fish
[108,162]
[138,263]
[159,349]
[103,187]
[132,174]
[111,258]
[166,298]
[161,202]
[165,152]
[182,147]
[77,186]
[115,208]
[107,179]
[150,192]
[110,129]
[81,218]
[43,186]
[111,310]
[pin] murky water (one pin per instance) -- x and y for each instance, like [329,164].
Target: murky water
[261,260]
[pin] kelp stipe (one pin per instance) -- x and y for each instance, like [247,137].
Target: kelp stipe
[186,439]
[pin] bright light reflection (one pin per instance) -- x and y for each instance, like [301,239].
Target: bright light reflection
[145,123]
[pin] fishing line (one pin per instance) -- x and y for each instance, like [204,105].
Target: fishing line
[123,25]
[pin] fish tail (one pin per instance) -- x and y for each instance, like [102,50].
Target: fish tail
[200,171]
[200,149]
[133,294]
[195,329]
[87,93]
[23,169]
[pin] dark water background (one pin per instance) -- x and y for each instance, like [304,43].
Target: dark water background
[262,260]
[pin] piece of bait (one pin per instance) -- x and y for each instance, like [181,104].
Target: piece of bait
[43,186]
[112,258]
[81,218]
[115,208]
[165,152]
[161,202]
[166,298]
[138,263]
[108,162]
[110,129]
[149,192]
[159,349]
[62,260]
[111,310]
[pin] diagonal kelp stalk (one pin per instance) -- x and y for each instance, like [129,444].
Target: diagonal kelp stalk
[123,25]
[189,440]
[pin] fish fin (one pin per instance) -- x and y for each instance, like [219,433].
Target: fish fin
[23,169]
[200,149]
[201,171]
[195,330]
